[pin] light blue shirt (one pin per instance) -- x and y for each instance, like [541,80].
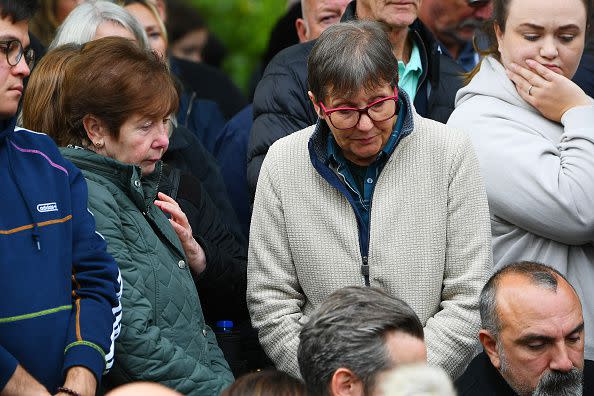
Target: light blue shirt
[410,73]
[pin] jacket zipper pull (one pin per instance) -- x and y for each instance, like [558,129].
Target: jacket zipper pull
[36,241]
[365,270]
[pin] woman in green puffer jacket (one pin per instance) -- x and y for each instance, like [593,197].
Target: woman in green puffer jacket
[116,102]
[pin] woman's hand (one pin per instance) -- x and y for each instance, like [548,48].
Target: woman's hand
[550,93]
[179,221]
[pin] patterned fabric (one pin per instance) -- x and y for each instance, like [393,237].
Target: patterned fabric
[164,337]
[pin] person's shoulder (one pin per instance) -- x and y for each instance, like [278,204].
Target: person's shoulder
[33,138]
[36,143]
[295,54]
[437,132]
[293,145]
[473,380]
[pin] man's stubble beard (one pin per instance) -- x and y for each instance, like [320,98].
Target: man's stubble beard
[551,383]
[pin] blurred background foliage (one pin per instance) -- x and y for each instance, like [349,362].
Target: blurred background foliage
[244,27]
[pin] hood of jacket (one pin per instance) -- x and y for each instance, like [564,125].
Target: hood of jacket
[491,81]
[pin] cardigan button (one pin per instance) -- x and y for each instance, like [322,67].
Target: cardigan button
[137,183]
[204,333]
[181,264]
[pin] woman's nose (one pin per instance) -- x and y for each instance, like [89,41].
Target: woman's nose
[365,122]
[549,49]
[162,139]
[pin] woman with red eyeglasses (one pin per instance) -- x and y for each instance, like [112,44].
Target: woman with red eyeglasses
[375,195]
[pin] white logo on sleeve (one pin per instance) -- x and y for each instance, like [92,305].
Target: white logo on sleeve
[47,207]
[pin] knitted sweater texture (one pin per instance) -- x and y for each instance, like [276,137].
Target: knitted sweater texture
[429,241]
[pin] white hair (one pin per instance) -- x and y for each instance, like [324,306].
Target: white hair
[417,380]
[81,24]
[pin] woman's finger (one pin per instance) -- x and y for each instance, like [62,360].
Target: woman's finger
[174,211]
[530,76]
[541,70]
[167,198]
[525,88]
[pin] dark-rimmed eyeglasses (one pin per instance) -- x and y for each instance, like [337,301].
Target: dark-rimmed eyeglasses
[347,117]
[478,3]
[14,51]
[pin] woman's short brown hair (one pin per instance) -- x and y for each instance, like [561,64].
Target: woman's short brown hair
[113,79]
[42,103]
[266,383]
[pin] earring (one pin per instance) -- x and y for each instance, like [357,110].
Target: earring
[99,144]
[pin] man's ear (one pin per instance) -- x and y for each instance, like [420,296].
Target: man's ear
[95,128]
[316,104]
[490,346]
[345,383]
[301,28]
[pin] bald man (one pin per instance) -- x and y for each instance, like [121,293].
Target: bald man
[532,335]
[317,16]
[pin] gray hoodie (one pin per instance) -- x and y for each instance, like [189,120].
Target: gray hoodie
[539,176]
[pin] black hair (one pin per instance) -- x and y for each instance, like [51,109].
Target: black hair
[18,10]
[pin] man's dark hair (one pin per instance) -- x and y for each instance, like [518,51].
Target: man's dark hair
[18,10]
[539,274]
[349,330]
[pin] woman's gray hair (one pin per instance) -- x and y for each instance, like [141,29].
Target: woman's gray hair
[81,24]
[351,56]
[349,330]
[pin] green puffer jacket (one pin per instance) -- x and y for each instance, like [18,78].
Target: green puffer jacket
[164,338]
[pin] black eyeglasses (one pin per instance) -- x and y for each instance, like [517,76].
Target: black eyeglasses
[478,3]
[13,49]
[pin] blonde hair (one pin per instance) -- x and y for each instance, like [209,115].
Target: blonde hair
[42,104]
[418,380]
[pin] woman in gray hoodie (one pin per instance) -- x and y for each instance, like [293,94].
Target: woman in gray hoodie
[533,130]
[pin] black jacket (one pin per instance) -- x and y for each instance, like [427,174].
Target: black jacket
[481,378]
[189,155]
[281,104]
[209,83]
[222,286]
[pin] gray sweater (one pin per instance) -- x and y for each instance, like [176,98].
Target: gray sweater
[539,176]
[429,241]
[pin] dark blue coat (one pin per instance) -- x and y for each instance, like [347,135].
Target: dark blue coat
[59,286]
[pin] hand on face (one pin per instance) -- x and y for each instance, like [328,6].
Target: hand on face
[550,93]
[181,226]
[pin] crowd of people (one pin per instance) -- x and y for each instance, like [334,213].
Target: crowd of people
[163,236]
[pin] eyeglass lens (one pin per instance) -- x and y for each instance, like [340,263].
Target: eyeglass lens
[381,111]
[14,53]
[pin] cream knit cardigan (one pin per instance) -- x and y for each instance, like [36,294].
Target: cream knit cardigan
[429,243]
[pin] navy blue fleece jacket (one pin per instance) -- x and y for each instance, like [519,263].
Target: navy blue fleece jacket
[60,289]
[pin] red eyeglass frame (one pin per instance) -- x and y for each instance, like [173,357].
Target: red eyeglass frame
[362,110]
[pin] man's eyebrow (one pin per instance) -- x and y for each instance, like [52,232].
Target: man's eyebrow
[539,337]
[579,328]
[8,38]
[528,338]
